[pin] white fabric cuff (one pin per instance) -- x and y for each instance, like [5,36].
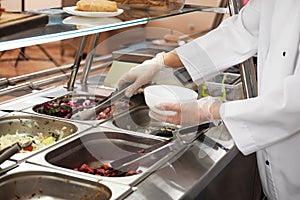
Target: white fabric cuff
[239,131]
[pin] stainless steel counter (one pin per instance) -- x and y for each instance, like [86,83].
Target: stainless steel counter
[198,172]
[189,174]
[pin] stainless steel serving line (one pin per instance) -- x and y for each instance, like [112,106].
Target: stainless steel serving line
[183,175]
[197,170]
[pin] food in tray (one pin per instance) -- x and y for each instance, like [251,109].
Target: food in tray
[104,170]
[153,4]
[38,140]
[68,105]
[113,109]
[96,6]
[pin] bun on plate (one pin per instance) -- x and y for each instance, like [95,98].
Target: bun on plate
[96,6]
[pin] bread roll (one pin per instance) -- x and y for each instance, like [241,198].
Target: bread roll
[97,6]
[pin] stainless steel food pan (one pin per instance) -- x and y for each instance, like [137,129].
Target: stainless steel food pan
[97,148]
[93,149]
[45,185]
[138,120]
[66,105]
[19,123]
[60,110]
[29,181]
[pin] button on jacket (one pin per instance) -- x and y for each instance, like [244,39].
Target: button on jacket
[268,124]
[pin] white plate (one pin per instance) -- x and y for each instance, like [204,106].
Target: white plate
[90,22]
[71,10]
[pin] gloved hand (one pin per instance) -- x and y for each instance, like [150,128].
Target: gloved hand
[142,74]
[190,113]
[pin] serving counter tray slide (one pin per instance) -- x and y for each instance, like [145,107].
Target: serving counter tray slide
[13,22]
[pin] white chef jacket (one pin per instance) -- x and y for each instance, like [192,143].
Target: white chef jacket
[268,124]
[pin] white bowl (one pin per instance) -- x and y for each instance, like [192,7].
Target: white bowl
[157,94]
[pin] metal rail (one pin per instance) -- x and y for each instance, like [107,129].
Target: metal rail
[36,85]
[89,62]
[22,78]
[247,68]
[75,67]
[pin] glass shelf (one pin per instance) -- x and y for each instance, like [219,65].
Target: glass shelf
[63,26]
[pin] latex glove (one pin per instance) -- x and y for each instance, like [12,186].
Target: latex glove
[142,74]
[189,113]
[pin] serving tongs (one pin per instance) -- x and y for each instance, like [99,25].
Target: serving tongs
[167,150]
[107,101]
[11,150]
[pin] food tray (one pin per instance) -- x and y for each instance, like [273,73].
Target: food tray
[67,105]
[41,129]
[35,182]
[138,120]
[94,147]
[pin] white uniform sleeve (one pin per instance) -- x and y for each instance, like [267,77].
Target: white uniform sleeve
[262,122]
[258,122]
[254,126]
[232,42]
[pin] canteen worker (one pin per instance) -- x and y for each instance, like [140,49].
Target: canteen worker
[268,124]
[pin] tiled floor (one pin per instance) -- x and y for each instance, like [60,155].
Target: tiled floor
[10,66]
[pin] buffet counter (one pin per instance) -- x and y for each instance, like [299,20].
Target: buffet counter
[68,167]
[189,172]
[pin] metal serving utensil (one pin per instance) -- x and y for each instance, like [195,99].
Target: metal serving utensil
[107,101]
[164,152]
[11,150]
[116,164]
